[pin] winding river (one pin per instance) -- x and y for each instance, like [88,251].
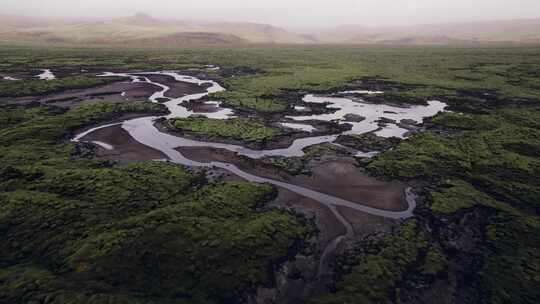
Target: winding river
[144,131]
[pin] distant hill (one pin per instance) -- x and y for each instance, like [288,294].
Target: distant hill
[142,29]
[517,31]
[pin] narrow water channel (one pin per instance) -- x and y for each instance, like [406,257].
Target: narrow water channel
[144,131]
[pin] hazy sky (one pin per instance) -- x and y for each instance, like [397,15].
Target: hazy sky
[287,12]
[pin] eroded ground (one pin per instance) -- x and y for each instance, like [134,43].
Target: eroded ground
[332,172]
[473,236]
[335,174]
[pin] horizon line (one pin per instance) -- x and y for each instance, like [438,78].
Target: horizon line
[289,27]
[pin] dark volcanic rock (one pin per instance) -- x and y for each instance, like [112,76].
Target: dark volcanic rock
[386,120]
[354,118]
[410,122]
[162,100]
[367,142]
[383,121]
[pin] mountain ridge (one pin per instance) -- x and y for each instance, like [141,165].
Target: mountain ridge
[143,28]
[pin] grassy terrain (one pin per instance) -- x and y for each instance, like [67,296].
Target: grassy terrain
[499,156]
[248,130]
[40,87]
[506,72]
[380,265]
[489,167]
[78,228]
[367,142]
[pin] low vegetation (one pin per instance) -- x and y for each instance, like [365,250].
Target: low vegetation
[80,230]
[378,266]
[488,164]
[248,130]
[40,87]
[265,77]
[367,142]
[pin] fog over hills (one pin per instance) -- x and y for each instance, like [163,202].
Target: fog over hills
[142,29]
[524,31]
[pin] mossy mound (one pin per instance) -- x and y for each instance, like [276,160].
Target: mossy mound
[80,230]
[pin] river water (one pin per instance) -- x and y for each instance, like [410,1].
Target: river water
[144,131]
[371,114]
[46,74]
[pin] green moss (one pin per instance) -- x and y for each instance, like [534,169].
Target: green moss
[249,130]
[434,262]
[458,195]
[367,142]
[245,101]
[39,87]
[513,268]
[322,150]
[48,124]
[465,121]
[425,156]
[492,168]
[79,230]
[265,75]
[452,199]
[380,268]
[492,159]
[157,243]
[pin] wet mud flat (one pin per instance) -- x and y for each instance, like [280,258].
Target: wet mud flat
[338,227]
[343,202]
[120,146]
[115,92]
[339,177]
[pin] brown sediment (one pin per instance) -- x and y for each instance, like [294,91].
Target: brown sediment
[107,93]
[208,154]
[340,178]
[363,223]
[126,149]
[329,226]
[121,91]
[343,179]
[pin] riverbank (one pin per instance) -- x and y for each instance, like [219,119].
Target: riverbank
[473,237]
[338,177]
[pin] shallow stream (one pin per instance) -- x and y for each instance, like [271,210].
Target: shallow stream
[144,131]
